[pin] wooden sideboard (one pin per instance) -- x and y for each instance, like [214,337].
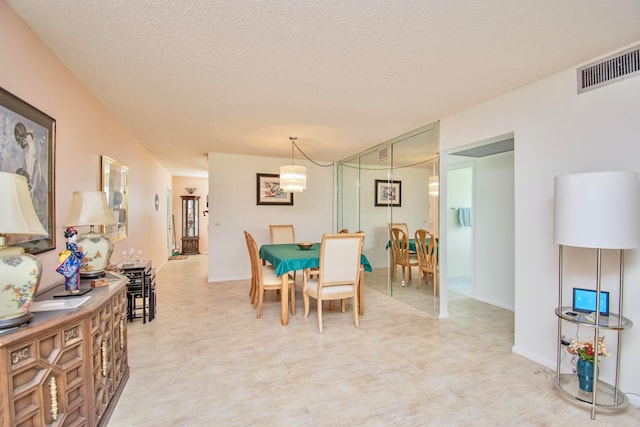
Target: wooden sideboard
[67,367]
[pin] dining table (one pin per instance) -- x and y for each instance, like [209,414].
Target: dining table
[286,258]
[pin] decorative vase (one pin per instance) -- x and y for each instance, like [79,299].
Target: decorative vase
[585,375]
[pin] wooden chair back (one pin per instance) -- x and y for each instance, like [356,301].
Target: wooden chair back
[282,234]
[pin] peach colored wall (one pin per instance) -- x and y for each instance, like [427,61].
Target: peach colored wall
[85,131]
[202,185]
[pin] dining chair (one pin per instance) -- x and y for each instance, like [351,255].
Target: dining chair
[252,288]
[282,234]
[427,258]
[264,278]
[313,270]
[339,276]
[401,225]
[401,255]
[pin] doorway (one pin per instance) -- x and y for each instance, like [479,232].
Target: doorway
[485,246]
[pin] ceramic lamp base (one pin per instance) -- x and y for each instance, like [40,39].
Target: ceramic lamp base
[15,321]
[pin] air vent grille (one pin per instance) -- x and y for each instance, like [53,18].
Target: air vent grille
[609,70]
[383,154]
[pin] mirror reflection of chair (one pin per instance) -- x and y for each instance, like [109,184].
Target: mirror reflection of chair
[401,254]
[264,278]
[339,276]
[427,258]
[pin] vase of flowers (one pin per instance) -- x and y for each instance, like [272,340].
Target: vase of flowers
[586,356]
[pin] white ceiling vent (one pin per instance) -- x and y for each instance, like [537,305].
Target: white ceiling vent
[609,70]
[383,154]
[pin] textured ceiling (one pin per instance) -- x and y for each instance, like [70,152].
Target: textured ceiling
[242,76]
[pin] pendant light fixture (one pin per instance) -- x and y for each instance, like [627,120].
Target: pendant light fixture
[293,179]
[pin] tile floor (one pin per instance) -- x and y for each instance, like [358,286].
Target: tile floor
[207,361]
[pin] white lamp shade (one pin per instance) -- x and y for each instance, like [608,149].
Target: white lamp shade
[597,210]
[89,207]
[293,179]
[17,215]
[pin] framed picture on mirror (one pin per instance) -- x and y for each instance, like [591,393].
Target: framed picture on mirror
[115,183]
[388,193]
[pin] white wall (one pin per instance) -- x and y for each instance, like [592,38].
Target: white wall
[494,263]
[233,209]
[556,132]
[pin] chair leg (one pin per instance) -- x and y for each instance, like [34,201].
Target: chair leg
[343,305]
[355,311]
[319,315]
[260,299]
[252,292]
[293,299]
[305,300]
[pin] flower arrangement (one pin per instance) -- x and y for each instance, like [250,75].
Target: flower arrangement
[585,350]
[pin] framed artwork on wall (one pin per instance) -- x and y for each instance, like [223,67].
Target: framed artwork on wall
[268,191]
[115,183]
[388,193]
[27,147]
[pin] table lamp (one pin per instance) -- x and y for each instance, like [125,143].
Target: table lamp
[90,208]
[20,272]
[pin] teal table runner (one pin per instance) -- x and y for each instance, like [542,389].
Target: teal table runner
[289,257]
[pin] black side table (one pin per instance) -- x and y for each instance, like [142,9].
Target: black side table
[141,286]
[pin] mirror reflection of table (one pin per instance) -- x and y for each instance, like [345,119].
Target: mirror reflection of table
[289,257]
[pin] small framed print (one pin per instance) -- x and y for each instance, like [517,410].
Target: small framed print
[388,193]
[268,191]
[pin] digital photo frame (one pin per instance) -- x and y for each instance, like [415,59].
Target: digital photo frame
[584,301]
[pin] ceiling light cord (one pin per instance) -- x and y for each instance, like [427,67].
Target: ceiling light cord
[293,141]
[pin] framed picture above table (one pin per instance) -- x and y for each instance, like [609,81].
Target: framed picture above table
[388,193]
[268,191]
[27,147]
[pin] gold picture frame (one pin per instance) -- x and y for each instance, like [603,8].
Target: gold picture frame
[115,183]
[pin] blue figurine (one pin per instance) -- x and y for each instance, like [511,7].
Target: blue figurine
[71,261]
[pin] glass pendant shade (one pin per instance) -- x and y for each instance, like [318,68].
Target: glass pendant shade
[434,187]
[597,210]
[293,179]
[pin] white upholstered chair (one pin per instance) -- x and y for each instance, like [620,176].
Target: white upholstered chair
[339,274]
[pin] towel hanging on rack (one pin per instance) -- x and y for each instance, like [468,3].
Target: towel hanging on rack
[464,217]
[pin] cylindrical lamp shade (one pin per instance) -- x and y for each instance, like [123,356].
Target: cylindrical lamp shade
[17,216]
[293,179]
[89,207]
[597,210]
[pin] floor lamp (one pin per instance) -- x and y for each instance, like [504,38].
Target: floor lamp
[599,210]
